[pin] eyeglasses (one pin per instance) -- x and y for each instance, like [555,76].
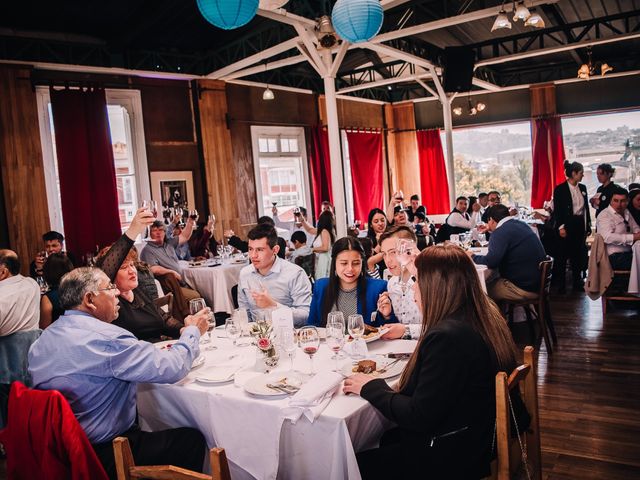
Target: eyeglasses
[111,286]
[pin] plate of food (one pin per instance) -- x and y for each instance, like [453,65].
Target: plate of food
[379,367]
[272,385]
[371,334]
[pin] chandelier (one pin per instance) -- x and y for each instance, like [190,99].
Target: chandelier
[520,12]
[590,69]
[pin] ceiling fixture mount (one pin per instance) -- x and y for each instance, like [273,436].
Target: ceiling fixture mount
[590,69]
[268,93]
[325,32]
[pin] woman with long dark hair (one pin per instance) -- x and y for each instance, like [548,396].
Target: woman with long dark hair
[56,265]
[377,224]
[634,205]
[325,237]
[348,289]
[602,198]
[572,224]
[444,403]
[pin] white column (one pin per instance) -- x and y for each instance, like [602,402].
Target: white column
[448,132]
[337,177]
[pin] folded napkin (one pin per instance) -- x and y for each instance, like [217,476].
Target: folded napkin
[313,397]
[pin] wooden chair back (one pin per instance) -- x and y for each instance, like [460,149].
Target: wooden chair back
[126,469]
[545,267]
[165,303]
[508,450]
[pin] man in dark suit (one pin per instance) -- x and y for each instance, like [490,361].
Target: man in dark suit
[515,251]
[572,225]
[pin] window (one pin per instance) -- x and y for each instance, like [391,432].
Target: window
[496,157]
[125,123]
[348,182]
[604,138]
[281,170]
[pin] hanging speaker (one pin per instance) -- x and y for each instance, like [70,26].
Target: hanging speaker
[458,68]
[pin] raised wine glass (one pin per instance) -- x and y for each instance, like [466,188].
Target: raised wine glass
[193,215]
[152,206]
[309,342]
[404,249]
[196,305]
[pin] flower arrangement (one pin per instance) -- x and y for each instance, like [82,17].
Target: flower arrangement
[263,334]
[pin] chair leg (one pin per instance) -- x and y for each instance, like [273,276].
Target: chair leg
[532,331]
[549,321]
[604,306]
[544,331]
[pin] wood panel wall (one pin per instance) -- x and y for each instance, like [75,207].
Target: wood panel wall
[404,169]
[221,171]
[21,164]
[354,114]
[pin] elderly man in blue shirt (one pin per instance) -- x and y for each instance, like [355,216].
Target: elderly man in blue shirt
[271,282]
[97,366]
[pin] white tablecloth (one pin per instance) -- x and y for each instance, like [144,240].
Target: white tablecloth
[214,284]
[259,443]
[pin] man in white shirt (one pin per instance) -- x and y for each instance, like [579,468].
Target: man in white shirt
[618,229]
[19,297]
[293,226]
[271,282]
[460,218]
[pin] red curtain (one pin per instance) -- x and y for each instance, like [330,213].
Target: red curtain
[86,169]
[548,158]
[319,159]
[365,153]
[433,172]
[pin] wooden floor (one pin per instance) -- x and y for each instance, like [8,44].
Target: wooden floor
[589,392]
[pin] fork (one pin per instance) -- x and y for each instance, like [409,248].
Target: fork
[388,366]
[283,388]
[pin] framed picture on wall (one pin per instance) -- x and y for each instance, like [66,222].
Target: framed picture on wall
[173,189]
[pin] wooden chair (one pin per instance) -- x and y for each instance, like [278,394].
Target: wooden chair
[165,303]
[616,294]
[509,450]
[126,469]
[538,309]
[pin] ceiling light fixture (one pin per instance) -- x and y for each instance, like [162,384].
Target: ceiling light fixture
[457,111]
[268,93]
[501,21]
[520,12]
[472,108]
[535,21]
[590,69]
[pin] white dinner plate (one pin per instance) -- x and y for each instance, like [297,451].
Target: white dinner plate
[258,385]
[218,374]
[373,337]
[395,369]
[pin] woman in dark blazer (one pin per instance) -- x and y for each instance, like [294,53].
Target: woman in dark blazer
[444,403]
[572,225]
[348,289]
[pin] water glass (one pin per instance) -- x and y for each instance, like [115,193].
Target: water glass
[335,340]
[288,343]
[336,317]
[356,330]
[233,329]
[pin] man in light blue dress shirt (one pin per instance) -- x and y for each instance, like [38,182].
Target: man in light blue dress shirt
[271,282]
[97,366]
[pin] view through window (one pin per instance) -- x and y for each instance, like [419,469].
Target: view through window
[495,157]
[281,170]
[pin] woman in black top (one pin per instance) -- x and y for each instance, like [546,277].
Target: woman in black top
[138,314]
[572,225]
[444,403]
[634,204]
[377,224]
[601,200]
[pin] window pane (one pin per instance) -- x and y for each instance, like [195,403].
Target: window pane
[273,144]
[494,158]
[293,144]
[262,145]
[281,182]
[284,145]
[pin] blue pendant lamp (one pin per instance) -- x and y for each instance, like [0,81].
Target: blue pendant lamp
[228,14]
[357,20]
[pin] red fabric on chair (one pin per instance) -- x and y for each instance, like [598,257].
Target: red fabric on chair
[44,440]
[85,169]
[365,154]
[319,159]
[548,159]
[433,172]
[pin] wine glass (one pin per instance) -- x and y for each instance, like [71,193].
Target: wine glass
[309,342]
[336,317]
[288,344]
[42,283]
[220,249]
[152,206]
[404,250]
[335,340]
[196,305]
[233,329]
[193,215]
[356,330]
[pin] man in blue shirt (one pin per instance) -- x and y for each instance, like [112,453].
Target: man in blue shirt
[97,366]
[516,252]
[271,282]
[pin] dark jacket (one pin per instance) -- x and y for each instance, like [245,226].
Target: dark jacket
[516,251]
[563,205]
[374,288]
[451,389]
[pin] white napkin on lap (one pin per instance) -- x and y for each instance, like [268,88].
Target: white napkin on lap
[313,397]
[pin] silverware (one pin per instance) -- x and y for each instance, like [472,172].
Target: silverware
[283,387]
[389,365]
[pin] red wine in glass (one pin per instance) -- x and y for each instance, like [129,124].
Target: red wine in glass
[311,350]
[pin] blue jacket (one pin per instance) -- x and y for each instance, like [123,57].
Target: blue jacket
[374,289]
[516,252]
